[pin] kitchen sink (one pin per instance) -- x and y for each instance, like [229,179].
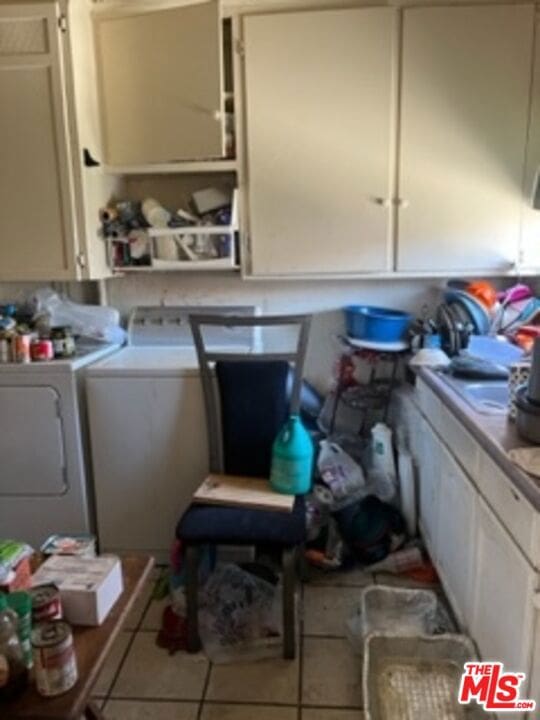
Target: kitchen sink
[488,397]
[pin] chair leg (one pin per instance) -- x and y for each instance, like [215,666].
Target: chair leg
[192,555]
[289,610]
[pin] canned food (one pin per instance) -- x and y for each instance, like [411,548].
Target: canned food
[41,350]
[63,342]
[46,603]
[21,348]
[55,663]
[5,349]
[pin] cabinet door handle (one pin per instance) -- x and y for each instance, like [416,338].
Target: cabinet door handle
[382,201]
[402,203]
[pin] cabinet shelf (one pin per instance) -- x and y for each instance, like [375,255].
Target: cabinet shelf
[218,265]
[198,166]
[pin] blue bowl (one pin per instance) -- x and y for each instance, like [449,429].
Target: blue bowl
[375,323]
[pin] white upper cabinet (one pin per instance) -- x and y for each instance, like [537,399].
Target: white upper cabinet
[160,80]
[318,98]
[530,249]
[49,197]
[37,227]
[465,90]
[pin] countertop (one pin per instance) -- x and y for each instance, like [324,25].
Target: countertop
[495,433]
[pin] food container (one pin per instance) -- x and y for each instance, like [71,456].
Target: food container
[417,677]
[399,611]
[528,416]
[376,324]
[21,603]
[519,375]
[21,348]
[80,545]
[41,350]
[63,341]
[46,603]
[54,658]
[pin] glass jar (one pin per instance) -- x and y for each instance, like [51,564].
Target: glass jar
[13,671]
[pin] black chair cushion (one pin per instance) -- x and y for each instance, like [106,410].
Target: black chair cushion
[243,526]
[254,407]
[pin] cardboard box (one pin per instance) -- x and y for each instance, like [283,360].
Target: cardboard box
[89,587]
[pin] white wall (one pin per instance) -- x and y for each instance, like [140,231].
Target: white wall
[325,298]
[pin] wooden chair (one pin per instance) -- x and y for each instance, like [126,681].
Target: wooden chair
[246,403]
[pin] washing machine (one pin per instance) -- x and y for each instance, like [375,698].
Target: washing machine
[148,427]
[45,474]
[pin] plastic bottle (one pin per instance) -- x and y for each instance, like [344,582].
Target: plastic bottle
[21,603]
[292,459]
[13,671]
[382,457]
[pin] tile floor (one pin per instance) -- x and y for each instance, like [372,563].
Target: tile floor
[142,682]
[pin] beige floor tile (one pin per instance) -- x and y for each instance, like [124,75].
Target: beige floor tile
[267,681]
[139,606]
[112,664]
[150,672]
[248,712]
[332,674]
[331,714]
[154,613]
[356,577]
[133,710]
[327,608]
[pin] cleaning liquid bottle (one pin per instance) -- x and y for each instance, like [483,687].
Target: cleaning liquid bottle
[292,459]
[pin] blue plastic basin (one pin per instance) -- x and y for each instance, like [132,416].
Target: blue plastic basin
[375,323]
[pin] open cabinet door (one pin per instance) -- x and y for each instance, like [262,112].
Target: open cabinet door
[160,81]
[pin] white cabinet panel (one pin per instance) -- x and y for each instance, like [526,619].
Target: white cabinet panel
[37,232]
[465,91]
[503,611]
[32,445]
[160,75]
[149,454]
[429,473]
[318,90]
[512,509]
[455,535]
[531,220]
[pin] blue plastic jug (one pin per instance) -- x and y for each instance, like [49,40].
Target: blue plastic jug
[292,459]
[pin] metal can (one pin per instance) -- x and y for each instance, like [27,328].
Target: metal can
[46,603]
[63,342]
[41,350]
[21,348]
[55,663]
[5,349]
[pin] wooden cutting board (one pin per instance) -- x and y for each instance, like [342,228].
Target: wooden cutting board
[242,492]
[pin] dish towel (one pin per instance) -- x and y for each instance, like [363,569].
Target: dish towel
[528,459]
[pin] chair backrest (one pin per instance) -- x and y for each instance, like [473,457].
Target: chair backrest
[246,369]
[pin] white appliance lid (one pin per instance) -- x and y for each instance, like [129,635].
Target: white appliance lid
[134,361]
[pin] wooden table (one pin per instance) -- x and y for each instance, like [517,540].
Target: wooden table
[92,645]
